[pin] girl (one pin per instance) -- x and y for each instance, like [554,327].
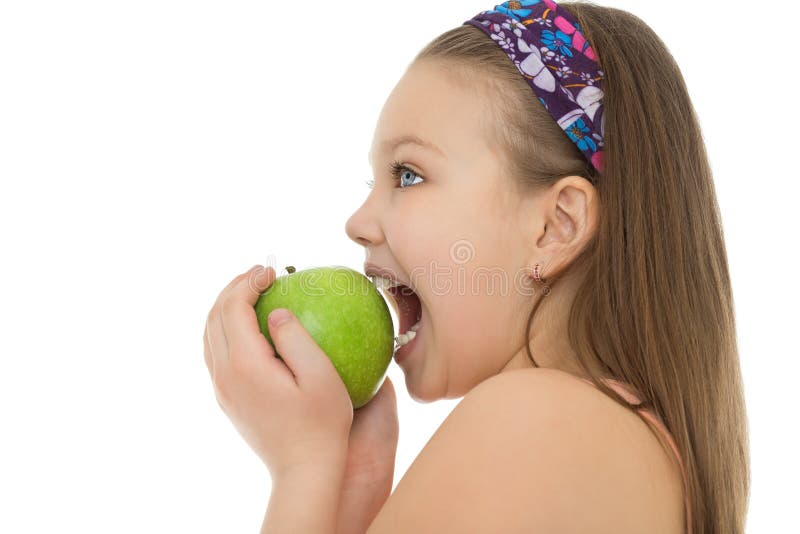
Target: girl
[543,195]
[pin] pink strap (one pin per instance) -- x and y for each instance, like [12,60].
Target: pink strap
[627,393]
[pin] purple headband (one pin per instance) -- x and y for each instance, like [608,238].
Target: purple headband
[557,62]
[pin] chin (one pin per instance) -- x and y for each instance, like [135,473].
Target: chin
[420,394]
[423,400]
[436,391]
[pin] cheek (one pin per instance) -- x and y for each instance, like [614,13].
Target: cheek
[460,322]
[480,317]
[466,348]
[472,332]
[410,236]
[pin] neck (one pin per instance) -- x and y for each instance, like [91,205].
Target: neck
[549,342]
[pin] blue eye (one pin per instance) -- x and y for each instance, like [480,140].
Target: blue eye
[405,178]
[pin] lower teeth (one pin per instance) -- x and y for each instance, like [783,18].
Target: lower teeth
[402,339]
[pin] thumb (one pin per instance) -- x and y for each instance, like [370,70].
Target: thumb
[375,429]
[380,413]
[307,361]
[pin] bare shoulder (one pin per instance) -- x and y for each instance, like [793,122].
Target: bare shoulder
[607,442]
[537,450]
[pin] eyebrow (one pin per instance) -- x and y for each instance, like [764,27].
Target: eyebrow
[408,139]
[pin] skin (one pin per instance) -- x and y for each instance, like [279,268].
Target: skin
[474,327]
[332,469]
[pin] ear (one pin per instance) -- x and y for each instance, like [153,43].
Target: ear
[568,215]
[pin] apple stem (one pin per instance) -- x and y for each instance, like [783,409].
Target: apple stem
[290,269]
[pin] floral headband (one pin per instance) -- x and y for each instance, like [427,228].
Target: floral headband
[559,64]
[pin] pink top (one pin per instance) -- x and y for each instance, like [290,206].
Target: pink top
[630,396]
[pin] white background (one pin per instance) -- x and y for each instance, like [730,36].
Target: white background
[152,150]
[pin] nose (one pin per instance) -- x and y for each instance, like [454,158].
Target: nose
[363,227]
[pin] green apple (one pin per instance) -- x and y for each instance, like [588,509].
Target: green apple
[346,316]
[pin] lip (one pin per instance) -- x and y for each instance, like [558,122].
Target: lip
[370,269]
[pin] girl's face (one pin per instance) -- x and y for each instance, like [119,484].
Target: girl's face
[453,230]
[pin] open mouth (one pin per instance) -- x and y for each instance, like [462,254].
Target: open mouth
[409,311]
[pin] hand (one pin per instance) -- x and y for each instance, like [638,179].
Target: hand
[295,413]
[369,470]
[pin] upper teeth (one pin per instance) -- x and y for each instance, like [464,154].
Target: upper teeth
[385,283]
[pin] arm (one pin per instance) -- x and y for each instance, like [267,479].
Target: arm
[305,501]
[362,497]
[369,470]
[357,491]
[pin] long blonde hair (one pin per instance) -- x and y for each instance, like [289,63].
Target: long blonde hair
[655,307]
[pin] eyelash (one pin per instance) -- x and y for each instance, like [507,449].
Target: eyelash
[396,168]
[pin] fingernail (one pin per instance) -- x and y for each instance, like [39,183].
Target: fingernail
[279,316]
[263,275]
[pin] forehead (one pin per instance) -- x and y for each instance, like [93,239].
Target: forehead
[390,145]
[430,109]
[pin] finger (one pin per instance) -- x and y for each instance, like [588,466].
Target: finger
[207,352]
[386,393]
[215,334]
[380,409]
[376,423]
[217,345]
[306,360]
[243,335]
[254,284]
[238,278]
